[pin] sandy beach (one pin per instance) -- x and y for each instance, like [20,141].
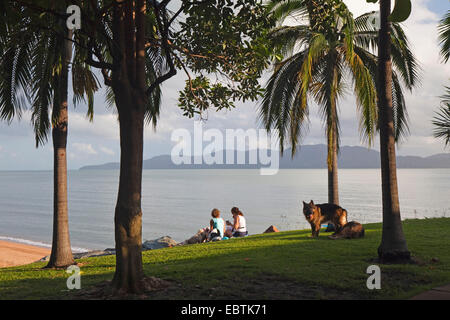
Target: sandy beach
[16,254]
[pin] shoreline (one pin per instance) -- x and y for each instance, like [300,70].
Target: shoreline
[17,254]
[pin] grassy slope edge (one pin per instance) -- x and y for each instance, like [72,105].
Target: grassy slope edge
[285,265]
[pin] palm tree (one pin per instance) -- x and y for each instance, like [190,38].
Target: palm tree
[393,247]
[321,55]
[35,68]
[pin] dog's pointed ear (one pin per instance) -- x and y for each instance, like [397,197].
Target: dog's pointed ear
[304,203]
[312,202]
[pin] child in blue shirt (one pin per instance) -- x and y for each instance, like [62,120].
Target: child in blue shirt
[217,226]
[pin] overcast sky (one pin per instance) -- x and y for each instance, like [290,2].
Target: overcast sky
[98,142]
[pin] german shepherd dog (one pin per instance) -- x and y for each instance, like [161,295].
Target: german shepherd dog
[351,230]
[316,214]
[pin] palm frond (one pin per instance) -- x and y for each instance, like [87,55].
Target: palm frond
[403,58]
[401,128]
[441,120]
[329,87]
[283,94]
[110,98]
[156,65]
[15,75]
[281,9]
[366,94]
[287,38]
[84,82]
[46,66]
[444,36]
[400,112]
[363,23]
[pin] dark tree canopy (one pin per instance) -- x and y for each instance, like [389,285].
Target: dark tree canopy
[226,38]
[219,44]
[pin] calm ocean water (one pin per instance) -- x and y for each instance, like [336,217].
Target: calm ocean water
[178,202]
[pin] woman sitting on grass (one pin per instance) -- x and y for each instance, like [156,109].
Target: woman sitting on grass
[217,226]
[239,226]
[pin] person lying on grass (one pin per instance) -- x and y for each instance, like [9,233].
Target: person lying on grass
[217,226]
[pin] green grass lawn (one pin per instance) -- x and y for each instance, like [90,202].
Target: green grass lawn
[285,265]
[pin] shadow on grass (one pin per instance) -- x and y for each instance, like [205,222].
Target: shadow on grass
[46,287]
[286,265]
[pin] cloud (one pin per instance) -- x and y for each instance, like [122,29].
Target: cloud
[107,151]
[84,148]
[103,126]
[98,141]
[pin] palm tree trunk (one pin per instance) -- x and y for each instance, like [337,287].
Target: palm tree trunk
[61,255]
[333,186]
[393,246]
[332,160]
[332,138]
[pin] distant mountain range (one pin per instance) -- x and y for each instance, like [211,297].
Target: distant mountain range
[307,157]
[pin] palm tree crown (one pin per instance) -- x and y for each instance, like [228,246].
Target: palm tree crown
[31,69]
[321,55]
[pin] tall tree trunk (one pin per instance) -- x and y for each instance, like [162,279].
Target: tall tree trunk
[129,86]
[393,246]
[128,214]
[332,161]
[333,186]
[332,134]
[61,255]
